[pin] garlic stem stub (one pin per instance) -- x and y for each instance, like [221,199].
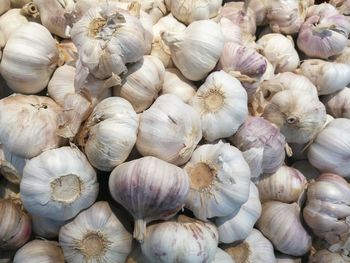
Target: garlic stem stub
[58,184]
[219,180]
[150,189]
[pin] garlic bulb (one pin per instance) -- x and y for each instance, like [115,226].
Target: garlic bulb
[15,225]
[322,10]
[286,17]
[262,145]
[11,166]
[255,248]
[58,184]
[298,117]
[329,151]
[219,180]
[325,256]
[281,224]
[285,185]
[323,36]
[52,15]
[95,235]
[4,6]
[142,83]
[156,9]
[159,48]
[188,11]
[238,225]
[222,257]
[246,64]
[107,38]
[36,129]
[109,134]
[61,83]
[280,51]
[175,83]
[328,77]
[221,103]
[162,189]
[231,31]
[169,130]
[338,103]
[197,49]
[282,258]
[187,241]
[29,58]
[46,227]
[39,251]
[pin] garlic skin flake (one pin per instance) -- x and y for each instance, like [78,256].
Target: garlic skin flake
[338,103]
[219,180]
[40,251]
[58,184]
[11,166]
[221,103]
[187,241]
[169,130]
[27,135]
[197,49]
[29,58]
[238,225]
[150,189]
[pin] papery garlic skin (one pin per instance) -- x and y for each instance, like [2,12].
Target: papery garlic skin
[328,77]
[30,134]
[169,130]
[95,235]
[329,151]
[187,241]
[162,189]
[238,225]
[46,227]
[285,185]
[255,248]
[197,49]
[325,256]
[4,6]
[219,180]
[175,83]
[29,58]
[112,30]
[11,166]
[58,184]
[40,251]
[188,11]
[280,223]
[142,83]
[221,103]
[338,103]
[9,23]
[280,51]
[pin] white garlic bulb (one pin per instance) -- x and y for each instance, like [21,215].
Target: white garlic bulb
[175,83]
[280,223]
[58,184]
[262,145]
[197,49]
[169,130]
[11,166]
[221,103]
[15,225]
[255,248]
[222,257]
[29,134]
[285,185]
[219,180]
[46,227]
[188,11]
[231,31]
[4,6]
[329,151]
[29,58]
[109,133]
[95,235]
[280,51]
[161,190]
[159,48]
[61,83]
[238,225]
[9,23]
[306,169]
[187,241]
[338,103]
[107,38]
[325,256]
[40,251]
[328,77]
[142,83]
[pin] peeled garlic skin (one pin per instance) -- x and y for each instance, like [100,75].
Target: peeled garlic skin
[338,103]
[325,256]
[39,251]
[280,223]
[150,189]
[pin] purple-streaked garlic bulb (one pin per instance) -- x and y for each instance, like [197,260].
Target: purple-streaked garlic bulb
[262,145]
[338,103]
[150,189]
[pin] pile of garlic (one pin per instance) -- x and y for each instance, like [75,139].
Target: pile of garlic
[174,131]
